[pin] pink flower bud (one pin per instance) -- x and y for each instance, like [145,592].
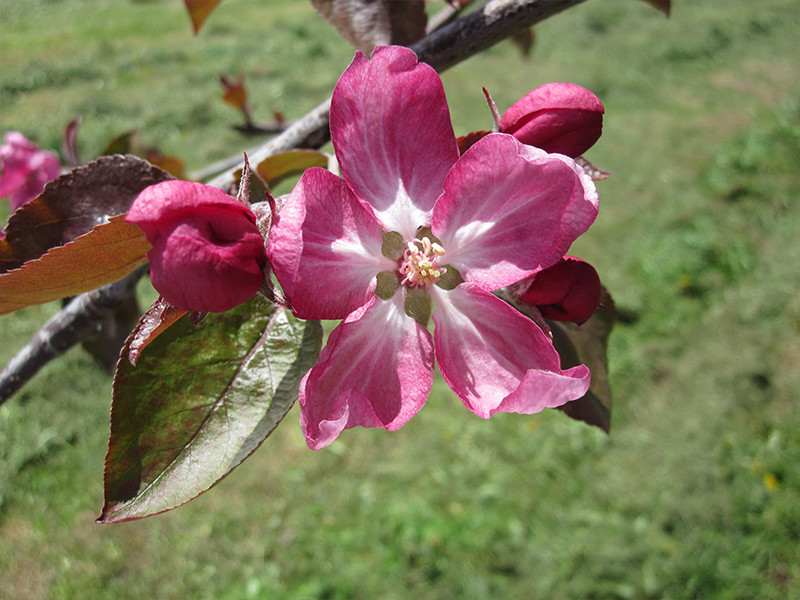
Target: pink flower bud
[568,291]
[559,118]
[25,169]
[207,255]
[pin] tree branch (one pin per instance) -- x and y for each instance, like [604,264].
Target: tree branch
[442,49]
[65,329]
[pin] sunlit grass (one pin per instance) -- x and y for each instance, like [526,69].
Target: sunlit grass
[694,494]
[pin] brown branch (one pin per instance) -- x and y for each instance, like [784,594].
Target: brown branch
[442,49]
[76,321]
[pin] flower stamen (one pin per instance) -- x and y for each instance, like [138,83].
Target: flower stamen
[419,266]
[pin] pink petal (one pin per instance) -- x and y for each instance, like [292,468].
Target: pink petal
[158,205]
[509,210]
[25,169]
[497,360]
[325,248]
[375,371]
[390,126]
[206,263]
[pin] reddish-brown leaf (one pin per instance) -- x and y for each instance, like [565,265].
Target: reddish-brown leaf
[199,11]
[524,40]
[369,23]
[73,204]
[107,253]
[587,344]
[465,142]
[69,145]
[662,5]
[234,92]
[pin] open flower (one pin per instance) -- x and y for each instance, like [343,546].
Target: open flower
[207,254]
[409,227]
[25,169]
[556,117]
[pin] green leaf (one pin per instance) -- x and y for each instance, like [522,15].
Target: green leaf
[106,254]
[278,167]
[201,399]
[73,204]
[588,344]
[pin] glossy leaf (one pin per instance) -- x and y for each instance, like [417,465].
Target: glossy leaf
[587,344]
[662,5]
[369,23]
[153,323]
[73,204]
[278,167]
[104,255]
[199,11]
[199,401]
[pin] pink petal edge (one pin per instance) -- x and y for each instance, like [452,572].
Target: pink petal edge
[497,360]
[375,371]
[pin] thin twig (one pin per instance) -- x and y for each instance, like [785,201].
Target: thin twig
[442,49]
[65,329]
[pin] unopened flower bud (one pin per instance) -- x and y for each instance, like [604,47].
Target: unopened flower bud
[559,118]
[207,255]
[567,291]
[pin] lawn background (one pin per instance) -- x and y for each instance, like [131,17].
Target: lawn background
[696,492]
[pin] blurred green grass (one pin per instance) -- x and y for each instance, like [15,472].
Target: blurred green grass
[694,495]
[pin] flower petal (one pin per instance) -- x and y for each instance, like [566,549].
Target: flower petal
[375,371]
[509,210]
[325,248]
[159,205]
[390,126]
[208,263]
[25,169]
[497,360]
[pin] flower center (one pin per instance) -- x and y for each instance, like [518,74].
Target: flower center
[419,266]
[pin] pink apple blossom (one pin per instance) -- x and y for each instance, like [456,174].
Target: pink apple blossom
[412,228]
[25,169]
[207,254]
[556,117]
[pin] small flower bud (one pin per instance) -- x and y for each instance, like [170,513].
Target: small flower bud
[559,118]
[567,291]
[207,255]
